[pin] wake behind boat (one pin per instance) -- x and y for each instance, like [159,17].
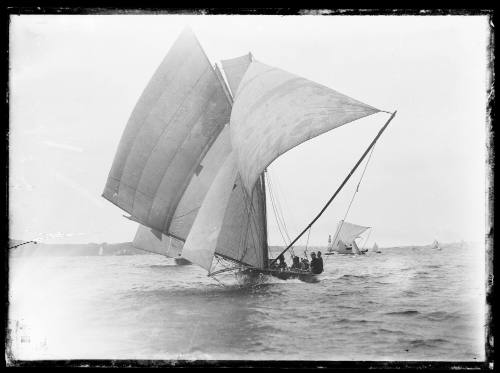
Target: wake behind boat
[191,164]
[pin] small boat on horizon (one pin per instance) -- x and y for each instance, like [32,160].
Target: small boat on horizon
[344,242]
[435,245]
[375,249]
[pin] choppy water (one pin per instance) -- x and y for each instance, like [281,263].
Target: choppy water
[403,304]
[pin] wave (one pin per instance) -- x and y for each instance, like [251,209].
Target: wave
[355,276]
[404,313]
[387,331]
[354,321]
[440,316]
[427,342]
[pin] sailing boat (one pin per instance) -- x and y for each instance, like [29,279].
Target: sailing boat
[435,245]
[191,163]
[375,248]
[344,241]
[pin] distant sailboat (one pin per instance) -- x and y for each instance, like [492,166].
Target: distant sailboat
[190,167]
[344,241]
[375,248]
[435,245]
[101,250]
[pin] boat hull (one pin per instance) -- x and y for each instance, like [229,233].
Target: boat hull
[305,276]
[182,261]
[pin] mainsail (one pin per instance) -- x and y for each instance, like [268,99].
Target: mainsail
[161,159]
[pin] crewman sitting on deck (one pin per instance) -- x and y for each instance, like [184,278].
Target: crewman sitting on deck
[315,264]
[282,264]
[304,264]
[296,263]
[320,262]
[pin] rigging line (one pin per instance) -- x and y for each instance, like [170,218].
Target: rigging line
[274,207]
[353,196]
[352,199]
[280,190]
[282,215]
[216,279]
[277,214]
[280,211]
[274,210]
[341,185]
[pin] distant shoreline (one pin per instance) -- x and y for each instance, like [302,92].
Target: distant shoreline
[126,248]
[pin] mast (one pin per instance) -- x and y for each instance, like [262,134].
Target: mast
[340,187]
[265,246]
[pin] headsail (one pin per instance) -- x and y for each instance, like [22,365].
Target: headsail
[275,111]
[238,219]
[178,117]
[201,243]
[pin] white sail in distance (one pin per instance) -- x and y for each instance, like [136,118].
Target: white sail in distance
[347,233]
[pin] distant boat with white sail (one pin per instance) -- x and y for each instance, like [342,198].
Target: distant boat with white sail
[344,241]
[435,245]
[375,249]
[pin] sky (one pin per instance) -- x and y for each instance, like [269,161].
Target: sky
[74,81]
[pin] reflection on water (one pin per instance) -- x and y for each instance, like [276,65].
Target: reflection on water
[399,305]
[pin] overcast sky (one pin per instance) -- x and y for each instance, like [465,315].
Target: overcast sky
[74,81]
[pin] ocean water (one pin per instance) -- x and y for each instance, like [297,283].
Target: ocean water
[403,304]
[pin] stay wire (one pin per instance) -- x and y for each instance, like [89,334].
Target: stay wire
[353,196]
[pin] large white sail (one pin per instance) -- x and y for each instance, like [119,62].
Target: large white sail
[176,120]
[202,240]
[274,111]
